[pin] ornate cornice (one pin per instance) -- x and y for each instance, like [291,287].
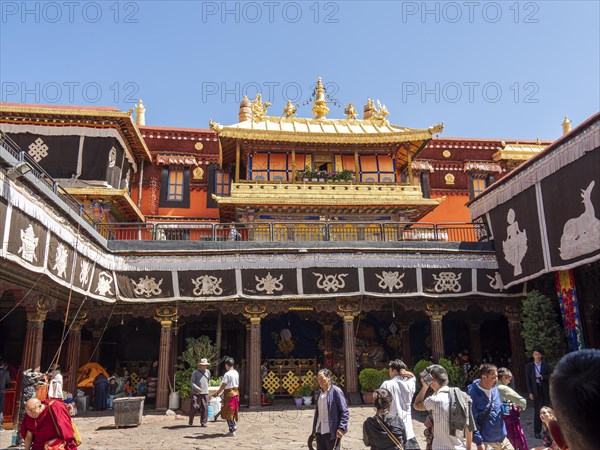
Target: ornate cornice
[166,315]
[436,311]
[255,312]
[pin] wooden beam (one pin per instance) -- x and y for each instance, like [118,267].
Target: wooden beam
[237,161]
[356,165]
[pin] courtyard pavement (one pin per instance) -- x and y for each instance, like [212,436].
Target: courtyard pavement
[279,427]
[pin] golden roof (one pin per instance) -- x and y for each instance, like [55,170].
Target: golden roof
[330,131]
[517,152]
[121,203]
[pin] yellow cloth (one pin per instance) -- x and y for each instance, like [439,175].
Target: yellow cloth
[228,412]
[87,373]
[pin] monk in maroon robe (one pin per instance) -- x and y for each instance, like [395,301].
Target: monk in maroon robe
[38,427]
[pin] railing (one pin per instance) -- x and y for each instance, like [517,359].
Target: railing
[307,231]
[36,170]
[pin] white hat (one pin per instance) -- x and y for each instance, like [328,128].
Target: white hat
[203,362]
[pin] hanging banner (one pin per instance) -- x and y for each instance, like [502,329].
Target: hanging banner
[569,308]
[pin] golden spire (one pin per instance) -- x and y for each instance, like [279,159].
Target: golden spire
[140,113]
[320,108]
[566,125]
[290,109]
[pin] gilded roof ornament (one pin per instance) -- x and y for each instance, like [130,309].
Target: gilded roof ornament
[259,109]
[375,113]
[350,111]
[215,126]
[566,125]
[320,108]
[436,128]
[290,109]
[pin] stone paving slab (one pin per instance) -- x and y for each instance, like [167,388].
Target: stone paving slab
[280,427]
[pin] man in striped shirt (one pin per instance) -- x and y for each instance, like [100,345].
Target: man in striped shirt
[439,405]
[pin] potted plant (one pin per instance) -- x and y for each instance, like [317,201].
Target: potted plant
[297,397]
[269,398]
[306,393]
[322,175]
[196,349]
[371,379]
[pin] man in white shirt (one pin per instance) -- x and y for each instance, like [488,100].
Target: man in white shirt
[402,386]
[231,399]
[439,405]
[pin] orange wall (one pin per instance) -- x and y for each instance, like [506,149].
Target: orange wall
[452,209]
[197,207]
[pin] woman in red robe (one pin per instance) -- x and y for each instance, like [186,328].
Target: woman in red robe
[38,426]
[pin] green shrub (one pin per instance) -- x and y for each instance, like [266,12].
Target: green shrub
[182,383]
[306,391]
[371,379]
[456,375]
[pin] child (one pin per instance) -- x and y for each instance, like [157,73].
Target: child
[112,390]
[141,387]
[547,414]
[128,389]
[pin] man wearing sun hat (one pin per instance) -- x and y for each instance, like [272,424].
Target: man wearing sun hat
[199,383]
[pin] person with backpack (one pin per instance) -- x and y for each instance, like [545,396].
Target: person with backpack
[487,411]
[454,425]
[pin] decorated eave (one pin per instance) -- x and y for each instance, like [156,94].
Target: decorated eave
[518,152]
[121,204]
[90,117]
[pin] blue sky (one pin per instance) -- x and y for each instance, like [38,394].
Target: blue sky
[485,69]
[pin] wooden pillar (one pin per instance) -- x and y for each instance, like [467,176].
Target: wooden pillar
[348,311]
[356,167]
[436,312]
[247,363]
[517,347]
[237,161]
[327,346]
[255,313]
[405,338]
[409,165]
[74,351]
[165,315]
[294,164]
[218,338]
[34,333]
[97,335]
[475,341]
[174,351]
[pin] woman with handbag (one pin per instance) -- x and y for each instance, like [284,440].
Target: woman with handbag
[47,426]
[384,431]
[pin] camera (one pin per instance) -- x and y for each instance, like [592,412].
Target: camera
[427,378]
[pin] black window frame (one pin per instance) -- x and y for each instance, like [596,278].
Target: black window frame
[164,189]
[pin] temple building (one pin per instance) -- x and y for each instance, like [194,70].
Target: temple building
[292,242]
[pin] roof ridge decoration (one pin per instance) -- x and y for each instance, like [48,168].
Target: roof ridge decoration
[320,108]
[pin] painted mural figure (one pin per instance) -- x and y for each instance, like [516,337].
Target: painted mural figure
[515,245]
[581,235]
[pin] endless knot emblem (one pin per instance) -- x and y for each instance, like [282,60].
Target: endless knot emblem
[84,274]
[28,244]
[269,283]
[147,287]
[104,283]
[38,150]
[496,281]
[447,281]
[330,282]
[207,285]
[60,264]
[390,280]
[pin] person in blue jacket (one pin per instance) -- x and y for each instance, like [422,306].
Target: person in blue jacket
[331,414]
[487,411]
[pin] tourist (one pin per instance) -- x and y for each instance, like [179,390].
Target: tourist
[112,391]
[231,399]
[385,430]
[199,382]
[537,375]
[141,388]
[100,392]
[487,411]
[513,403]
[4,383]
[448,435]
[45,424]
[55,380]
[234,234]
[575,394]
[330,422]
[546,415]
[402,386]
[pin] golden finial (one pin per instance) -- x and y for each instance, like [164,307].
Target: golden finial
[140,113]
[245,110]
[350,111]
[290,109]
[259,109]
[566,125]
[320,108]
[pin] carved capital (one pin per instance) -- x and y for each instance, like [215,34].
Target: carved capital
[513,314]
[37,308]
[80,321]
[166,315]
[348,310]
[255,312]
[436,311]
